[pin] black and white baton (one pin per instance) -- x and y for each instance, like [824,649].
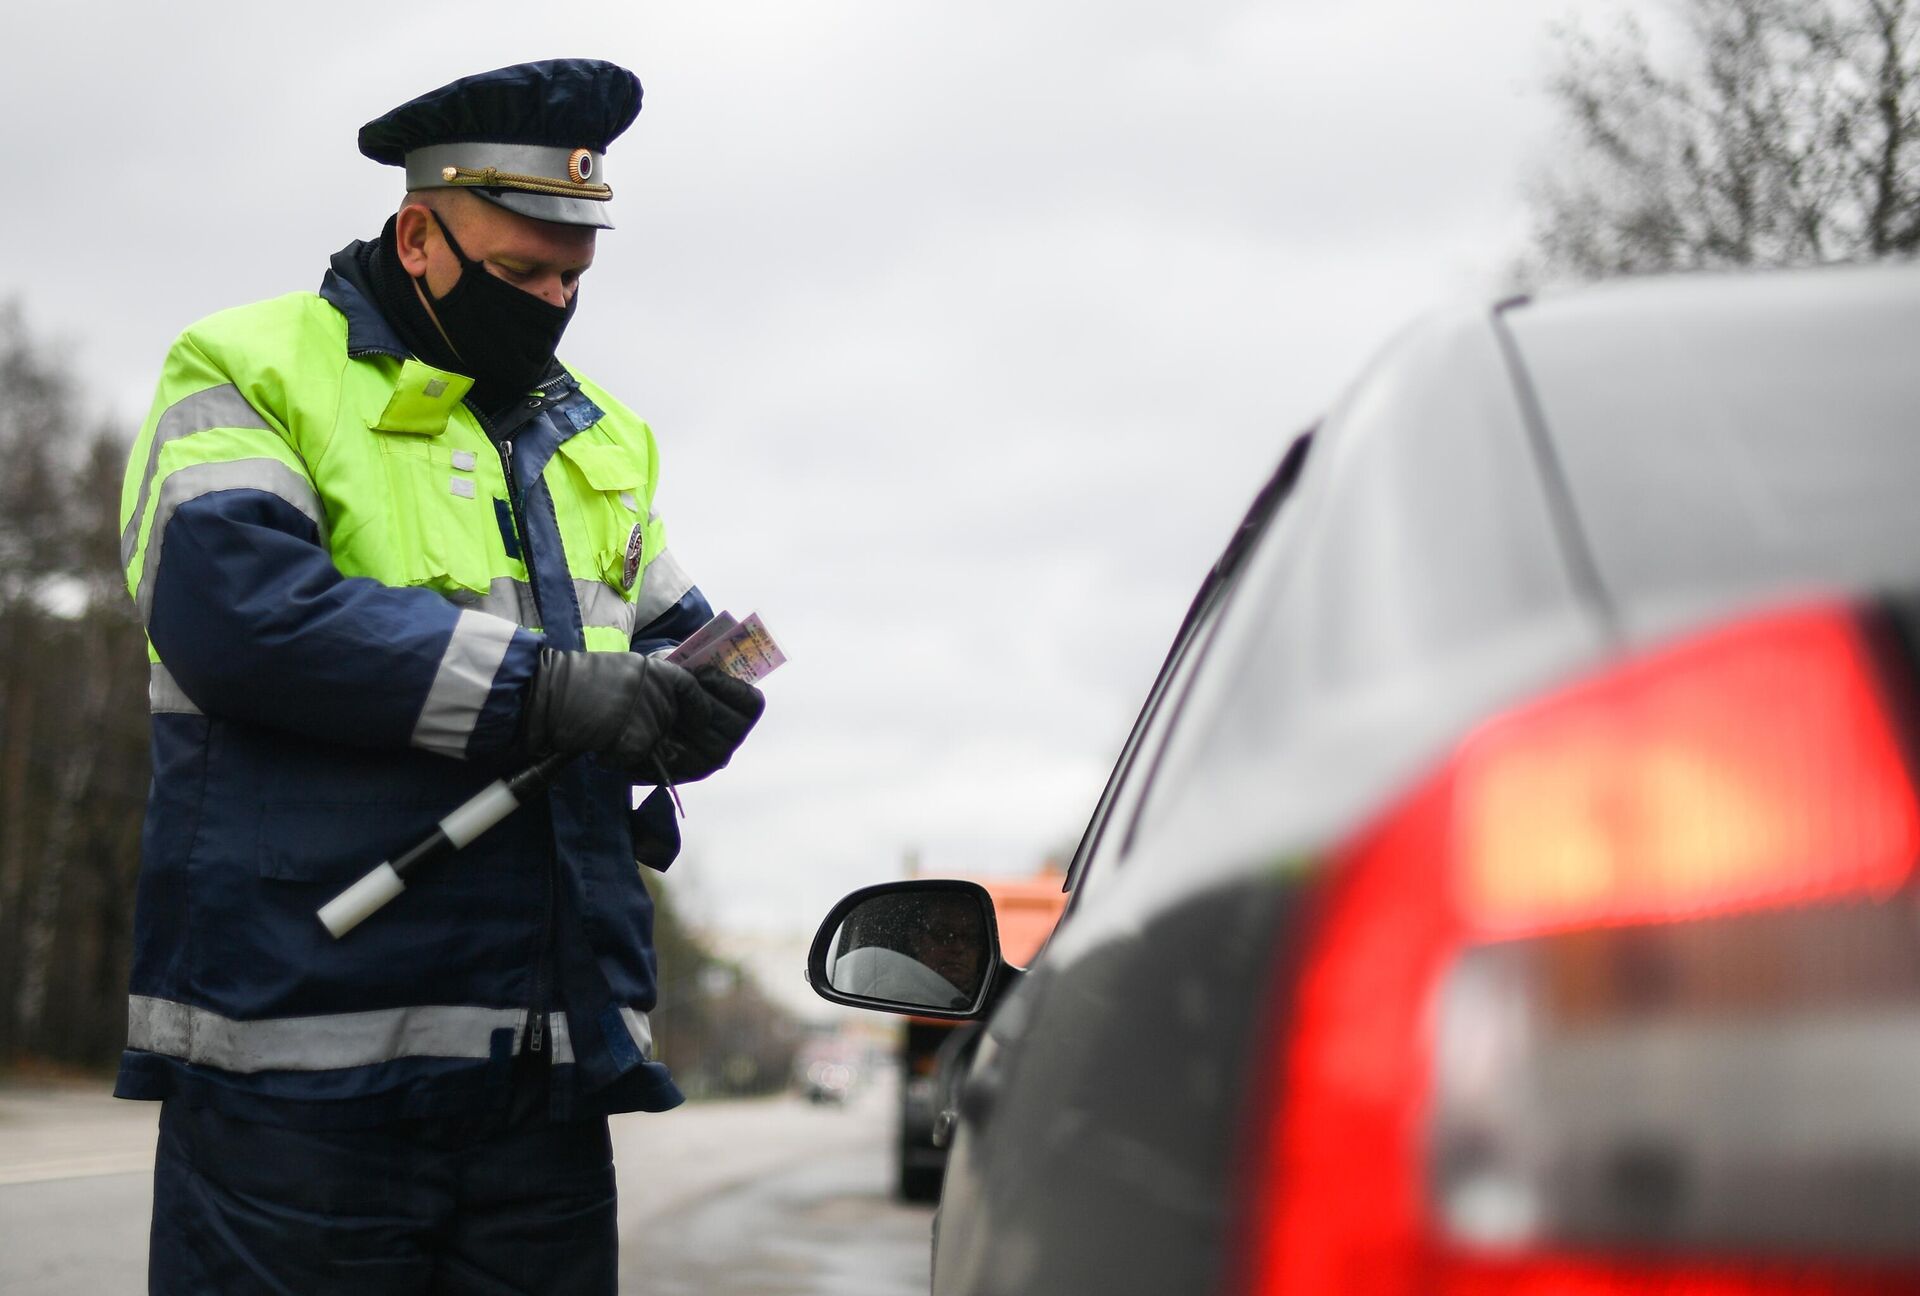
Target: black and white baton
[482,811]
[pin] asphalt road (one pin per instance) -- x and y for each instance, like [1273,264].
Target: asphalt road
[764,1198]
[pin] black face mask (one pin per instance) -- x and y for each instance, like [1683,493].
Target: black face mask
[505,337]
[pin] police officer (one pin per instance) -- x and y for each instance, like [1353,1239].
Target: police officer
[387,548]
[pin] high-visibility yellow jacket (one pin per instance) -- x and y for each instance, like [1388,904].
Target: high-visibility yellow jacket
[346,573]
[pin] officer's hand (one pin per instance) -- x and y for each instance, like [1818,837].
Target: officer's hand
[617,704]
[701,743]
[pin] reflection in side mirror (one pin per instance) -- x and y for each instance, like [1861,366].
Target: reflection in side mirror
[914,945]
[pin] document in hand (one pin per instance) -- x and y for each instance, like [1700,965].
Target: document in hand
[743,649]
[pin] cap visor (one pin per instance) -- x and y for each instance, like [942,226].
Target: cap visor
[561,211]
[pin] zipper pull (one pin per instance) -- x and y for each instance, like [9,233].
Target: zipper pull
[538,1033]
[667,782]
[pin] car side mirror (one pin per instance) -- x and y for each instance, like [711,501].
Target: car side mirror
[929,948]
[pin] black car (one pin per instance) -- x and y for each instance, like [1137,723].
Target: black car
[1509,885]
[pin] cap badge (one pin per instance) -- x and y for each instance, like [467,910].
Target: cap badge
[580,166]
[636,545]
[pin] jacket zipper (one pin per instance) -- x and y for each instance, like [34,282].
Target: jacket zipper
[537,1010]
[503,447]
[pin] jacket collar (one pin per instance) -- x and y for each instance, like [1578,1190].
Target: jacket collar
[348,290]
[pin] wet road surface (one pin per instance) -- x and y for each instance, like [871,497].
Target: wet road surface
[822,1227]
[771,1197]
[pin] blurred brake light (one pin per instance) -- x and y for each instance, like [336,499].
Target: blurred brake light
[1756,766]
[1624,999]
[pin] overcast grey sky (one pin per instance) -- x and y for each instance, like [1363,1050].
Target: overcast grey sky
[967,330]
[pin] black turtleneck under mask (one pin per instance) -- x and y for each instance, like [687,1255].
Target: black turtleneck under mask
[500,336]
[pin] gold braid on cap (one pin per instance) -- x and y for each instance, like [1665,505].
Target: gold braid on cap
[494,178]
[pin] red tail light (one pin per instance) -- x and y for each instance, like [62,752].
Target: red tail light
[1620,1000]
[1755,767]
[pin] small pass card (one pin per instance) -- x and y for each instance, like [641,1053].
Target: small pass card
[743,649]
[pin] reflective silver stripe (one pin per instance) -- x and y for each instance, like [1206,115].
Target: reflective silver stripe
[603,605]
[507,598]
[463,682]
[205,1038]
[562,1038]
[511,599]
[164,697]
[216,407]
[195,480]
[640,1028]
[666,582]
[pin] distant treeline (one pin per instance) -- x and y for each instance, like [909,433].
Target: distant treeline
[73,750]
[74,772]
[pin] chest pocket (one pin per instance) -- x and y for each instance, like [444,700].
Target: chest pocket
[607,483]
[441,507]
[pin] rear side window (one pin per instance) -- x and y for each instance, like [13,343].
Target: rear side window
[1737,434]
[1133,771]
[1419,533]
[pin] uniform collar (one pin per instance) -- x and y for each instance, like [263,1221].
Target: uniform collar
[348,288]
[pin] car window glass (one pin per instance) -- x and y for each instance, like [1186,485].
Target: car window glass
[1779,408]
[1418,525]
[1101,846]
[1228,629]
[1132,772]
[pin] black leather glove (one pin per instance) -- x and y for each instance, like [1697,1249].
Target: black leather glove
[702,742]
[617,704]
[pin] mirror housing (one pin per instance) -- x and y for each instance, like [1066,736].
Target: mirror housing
[876,927]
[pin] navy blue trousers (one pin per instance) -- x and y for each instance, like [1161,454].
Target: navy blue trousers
[483,1207]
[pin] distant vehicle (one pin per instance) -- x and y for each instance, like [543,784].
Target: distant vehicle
[827,1067]
[825,1080]
[1509,885]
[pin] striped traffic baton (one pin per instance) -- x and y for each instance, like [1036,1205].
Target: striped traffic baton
[486,808]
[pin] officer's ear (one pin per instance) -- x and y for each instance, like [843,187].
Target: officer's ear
[412,227]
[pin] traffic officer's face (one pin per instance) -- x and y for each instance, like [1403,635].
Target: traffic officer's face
[534,256]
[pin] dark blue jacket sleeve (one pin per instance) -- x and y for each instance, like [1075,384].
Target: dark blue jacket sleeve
[255,623]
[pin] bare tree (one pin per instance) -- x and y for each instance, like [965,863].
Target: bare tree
[72,718]
[1778,132]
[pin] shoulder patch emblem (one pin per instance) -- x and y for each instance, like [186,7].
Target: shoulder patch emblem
[636,544]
